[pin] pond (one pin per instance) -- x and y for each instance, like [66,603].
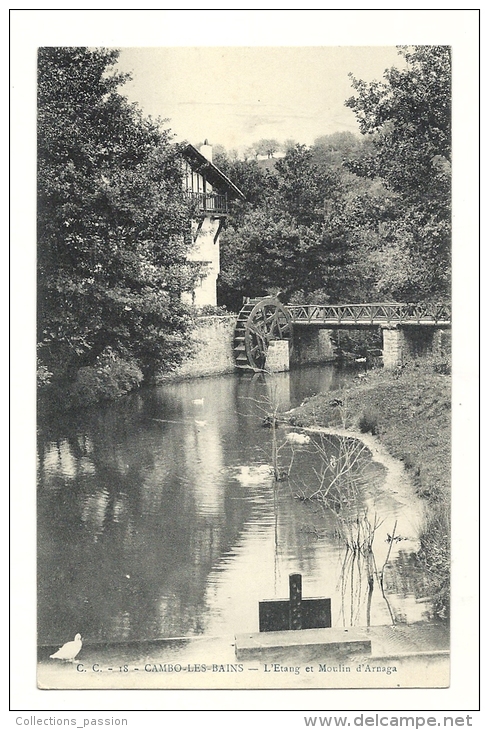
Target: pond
[158,515]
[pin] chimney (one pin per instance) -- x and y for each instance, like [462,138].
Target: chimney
[206,150]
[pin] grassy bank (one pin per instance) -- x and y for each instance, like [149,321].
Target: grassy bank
[409,412]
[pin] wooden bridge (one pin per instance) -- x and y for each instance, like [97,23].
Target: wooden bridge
[264,320]
[369,315]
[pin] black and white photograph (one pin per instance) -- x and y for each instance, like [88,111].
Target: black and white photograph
[246,359]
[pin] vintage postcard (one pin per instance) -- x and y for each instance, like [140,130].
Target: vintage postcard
[245,366]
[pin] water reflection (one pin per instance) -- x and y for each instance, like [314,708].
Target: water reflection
[158,515]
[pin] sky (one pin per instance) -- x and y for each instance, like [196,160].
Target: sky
[234,96]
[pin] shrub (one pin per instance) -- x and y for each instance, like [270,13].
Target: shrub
[434,557]
[442,367]
[209,310]
[44,376]
[369,423]
[110,378]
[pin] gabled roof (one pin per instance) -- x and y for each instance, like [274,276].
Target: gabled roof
[212,173]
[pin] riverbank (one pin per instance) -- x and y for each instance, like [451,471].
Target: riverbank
[408,411]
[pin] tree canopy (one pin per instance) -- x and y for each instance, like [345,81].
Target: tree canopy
[408,118]
[356,217]
[112,220]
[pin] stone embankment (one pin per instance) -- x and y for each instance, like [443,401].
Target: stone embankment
[212,348]
[212,351]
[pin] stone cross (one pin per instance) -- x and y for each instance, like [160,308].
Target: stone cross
[297,612]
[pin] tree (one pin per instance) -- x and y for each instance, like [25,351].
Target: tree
[332,150]
[253,181]
[112,221]
[270,250]
[266,147]
[289,144]
[301,189]
[369,215]
[408,119]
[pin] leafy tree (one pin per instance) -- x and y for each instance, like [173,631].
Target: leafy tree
[360,225]
[301,189]
[332,150]
[278,240]
[219,153]
[289,144]
[358,218]
[112,221]
[254,182]
[408,119]
[266,147]
[269,251]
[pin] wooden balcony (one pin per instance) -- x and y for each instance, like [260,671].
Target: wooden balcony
[211,204]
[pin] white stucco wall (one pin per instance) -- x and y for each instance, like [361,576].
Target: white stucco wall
[206,250]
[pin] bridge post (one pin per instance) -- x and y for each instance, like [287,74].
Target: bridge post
[393,346]
[441,342]
[312,345]
[400,344]
[278,356]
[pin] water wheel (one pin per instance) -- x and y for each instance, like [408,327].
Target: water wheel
[259,322]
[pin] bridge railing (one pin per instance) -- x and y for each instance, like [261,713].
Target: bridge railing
[374,314]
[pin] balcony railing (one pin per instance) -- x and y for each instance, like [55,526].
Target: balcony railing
[210,203]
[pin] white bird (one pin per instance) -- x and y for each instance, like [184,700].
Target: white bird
[297,438]
[253,475]
[198,402]
[69,650]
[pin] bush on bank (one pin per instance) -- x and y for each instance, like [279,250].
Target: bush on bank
[105,381]
[110,378]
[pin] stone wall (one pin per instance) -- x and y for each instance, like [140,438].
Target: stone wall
[212,341]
